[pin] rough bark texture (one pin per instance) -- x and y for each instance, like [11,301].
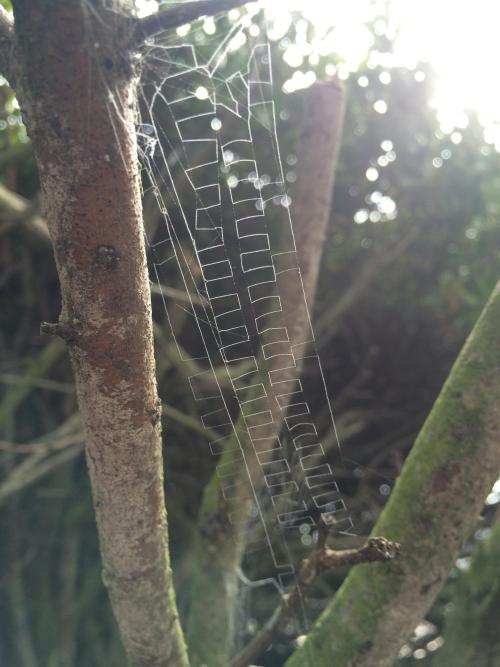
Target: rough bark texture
[471,633]
[215,578]
[77,89]
[434,506]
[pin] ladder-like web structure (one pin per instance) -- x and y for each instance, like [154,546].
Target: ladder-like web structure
[208,144]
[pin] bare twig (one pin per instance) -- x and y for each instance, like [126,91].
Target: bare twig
[149,26]
[43,361]
[43,459]
[321,560]
[40,383]
[23,478]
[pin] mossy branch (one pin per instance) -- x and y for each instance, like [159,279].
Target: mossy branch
[322,560]
[433,508]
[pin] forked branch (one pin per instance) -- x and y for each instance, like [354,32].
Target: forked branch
[321,560]
[149,26]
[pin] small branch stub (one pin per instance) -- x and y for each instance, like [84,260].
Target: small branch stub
[321,560]
[376,549]
[64,330]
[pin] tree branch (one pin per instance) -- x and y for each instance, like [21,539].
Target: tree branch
[149,26]
[322,560]
[209,635]
[91,186]
[6,44]
[433,508]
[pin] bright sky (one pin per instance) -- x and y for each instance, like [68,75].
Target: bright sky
[459,39]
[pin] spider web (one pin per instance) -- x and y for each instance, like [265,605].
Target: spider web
[209,148]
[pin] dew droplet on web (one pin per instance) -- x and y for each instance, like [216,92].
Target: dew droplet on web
[216,124]
[201,93]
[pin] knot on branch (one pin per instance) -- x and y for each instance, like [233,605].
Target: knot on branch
[107,256]
[379,548]
[68,332]
[214,528]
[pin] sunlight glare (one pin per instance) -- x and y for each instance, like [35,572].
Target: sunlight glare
[458,40]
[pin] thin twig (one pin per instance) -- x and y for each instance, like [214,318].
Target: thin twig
[35,467]
[42,448]
[321,560]
[16,394]
[149,26]
[40,383]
